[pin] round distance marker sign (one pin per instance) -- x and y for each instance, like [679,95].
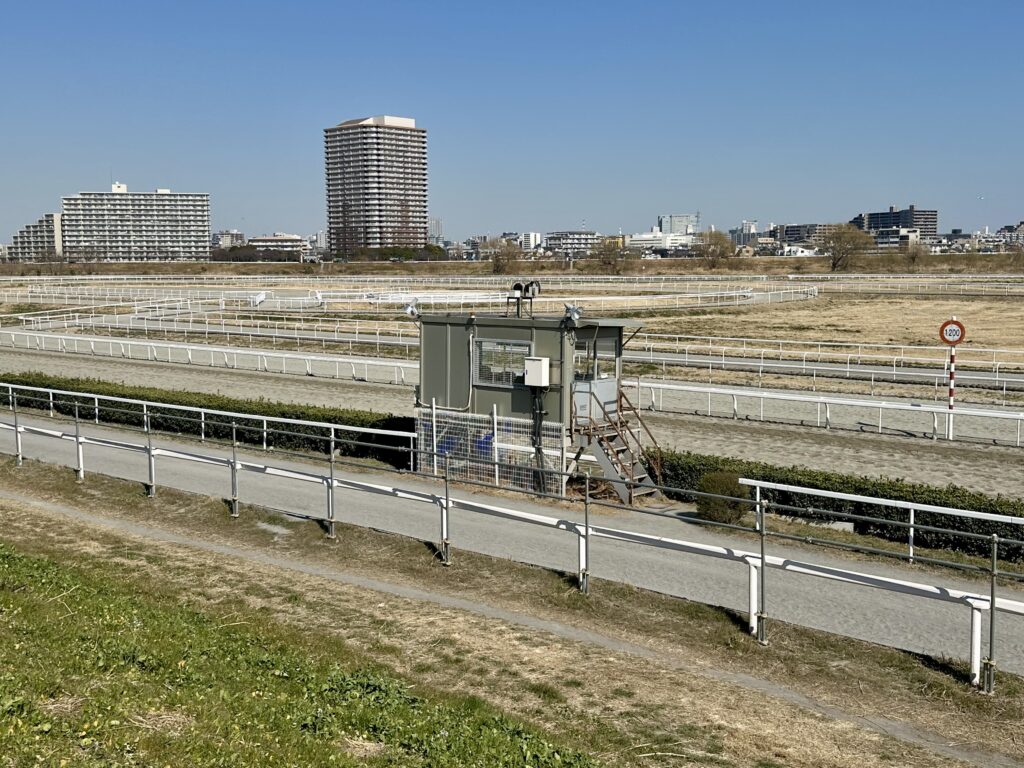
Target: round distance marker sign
[952,332]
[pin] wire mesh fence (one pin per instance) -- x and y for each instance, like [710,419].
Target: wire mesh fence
[495,450]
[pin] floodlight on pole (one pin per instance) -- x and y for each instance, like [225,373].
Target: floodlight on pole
[573,313]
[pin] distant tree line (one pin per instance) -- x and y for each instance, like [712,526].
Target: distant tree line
[402,253]
[248,253]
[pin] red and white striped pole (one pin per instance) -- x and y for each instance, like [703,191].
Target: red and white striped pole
[952,390]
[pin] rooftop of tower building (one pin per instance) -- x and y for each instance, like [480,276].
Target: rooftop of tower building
[387,120]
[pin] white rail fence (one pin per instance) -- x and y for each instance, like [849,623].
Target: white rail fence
[847,369]
[820,351]
[989,425]
[1002,427]
[204,355]
[755,563]
[861,364]
[204,419]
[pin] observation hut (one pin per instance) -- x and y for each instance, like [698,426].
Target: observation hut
[519,400]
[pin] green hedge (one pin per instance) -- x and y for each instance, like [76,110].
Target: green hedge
[391,450]
[685,470]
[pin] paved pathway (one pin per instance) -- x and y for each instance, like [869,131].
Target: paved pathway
[915,624]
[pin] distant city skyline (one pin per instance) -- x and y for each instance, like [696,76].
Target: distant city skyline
[803,113]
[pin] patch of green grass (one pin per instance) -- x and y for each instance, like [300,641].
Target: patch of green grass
[546,692]
[100,672]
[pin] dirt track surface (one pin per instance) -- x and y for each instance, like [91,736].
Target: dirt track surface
[986,468]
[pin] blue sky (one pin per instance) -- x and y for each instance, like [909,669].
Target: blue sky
[540,115]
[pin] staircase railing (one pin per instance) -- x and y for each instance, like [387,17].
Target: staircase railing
[625,404]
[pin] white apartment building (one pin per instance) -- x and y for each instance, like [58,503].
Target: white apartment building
[281,241]
[227,238]
[136,225]
[435,231]
[572,241]
[658,240]
[897,237]
[41,240]
[376,170]
[530,241]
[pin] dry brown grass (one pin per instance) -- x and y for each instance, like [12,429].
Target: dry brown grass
[171,723]
[990,321]
[970,263]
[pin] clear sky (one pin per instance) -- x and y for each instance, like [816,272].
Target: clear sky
[540,115]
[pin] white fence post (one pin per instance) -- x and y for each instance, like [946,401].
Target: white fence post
[584,542]
[433,431]
[445,546]
[752,586]
[17,431]
[975,646]
[330,492]
[494,445]
[910,538]
[150,460]
[234,469]
[79,452]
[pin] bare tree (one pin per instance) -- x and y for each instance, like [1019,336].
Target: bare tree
[1016,251]
[843,244]
[714,248]
[611,257]
[505,256]
[914,253]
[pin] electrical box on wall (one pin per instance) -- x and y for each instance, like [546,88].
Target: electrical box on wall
[538,372]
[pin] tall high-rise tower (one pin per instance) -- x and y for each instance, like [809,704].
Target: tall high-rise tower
[376,184]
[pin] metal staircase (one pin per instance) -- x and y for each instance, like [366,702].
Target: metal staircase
[615,441]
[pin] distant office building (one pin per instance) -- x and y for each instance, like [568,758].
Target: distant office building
[228,238]
[41,240]
[793,234]
[1011,233]
[679,223]
[530,241]
[319,240]
[281,241]
[656,240]
[896,237]
[909,218]
[435,231]
[3,252]
[572,241]
[376,171]
[745,234]
[134,225]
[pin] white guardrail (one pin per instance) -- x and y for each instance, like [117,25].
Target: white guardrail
[779,349]
[362,333]
[935,421]
[755,562]
[231,358]
[202,416]
[836,358]
[391,303]
[1004,427]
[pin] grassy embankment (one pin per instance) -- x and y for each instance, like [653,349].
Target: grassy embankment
[103,671]
[169,639]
